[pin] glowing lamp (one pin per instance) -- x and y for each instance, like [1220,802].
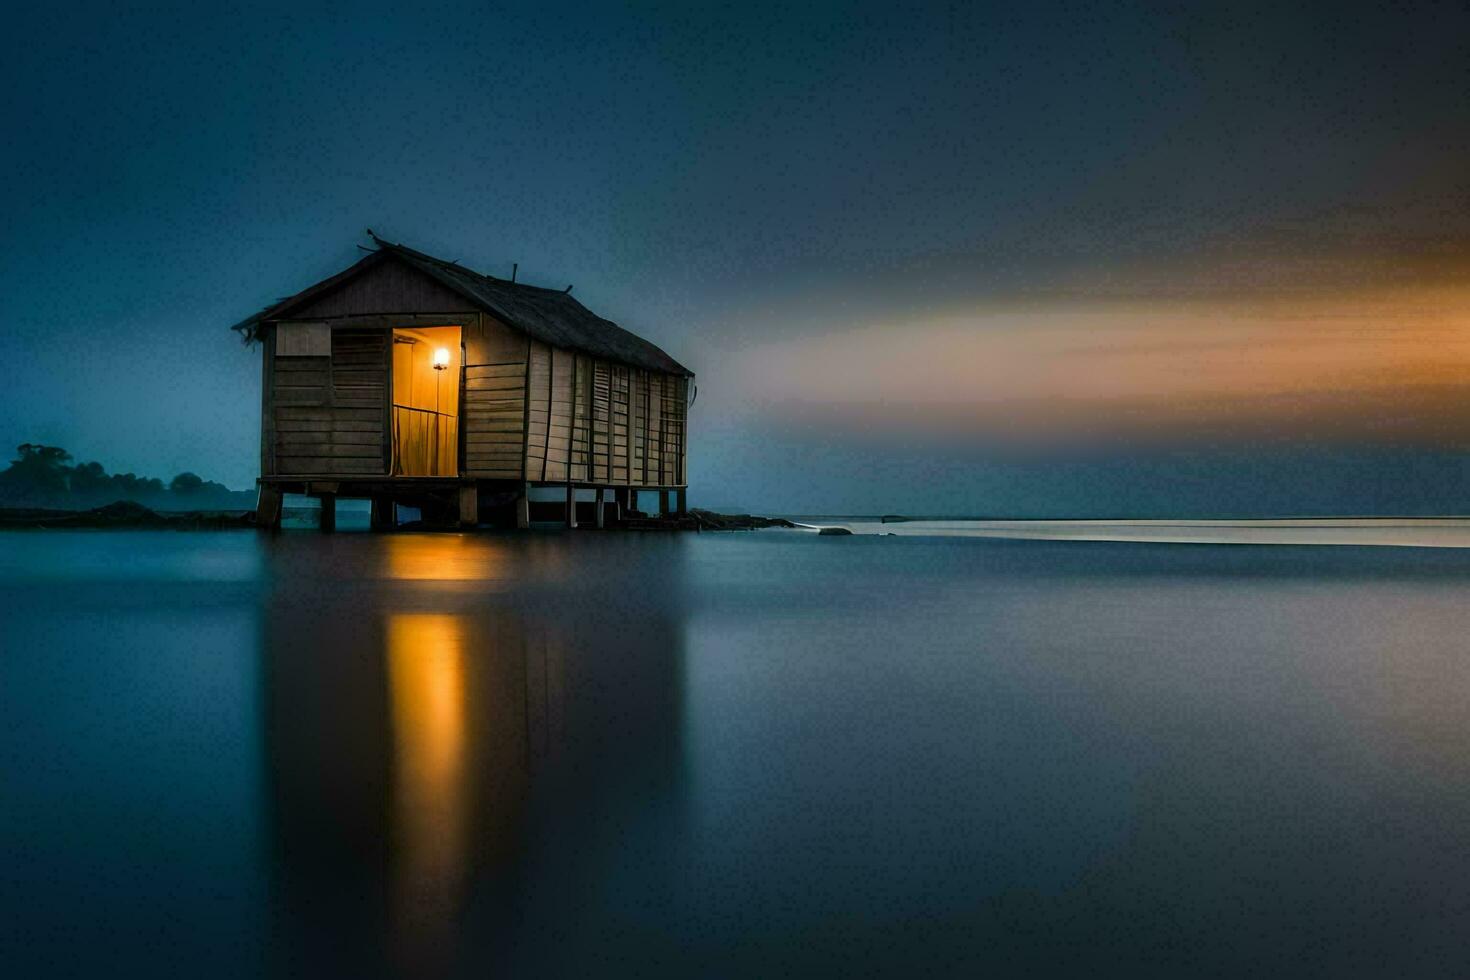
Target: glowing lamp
[441,358]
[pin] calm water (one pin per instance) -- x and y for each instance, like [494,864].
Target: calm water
[730,755]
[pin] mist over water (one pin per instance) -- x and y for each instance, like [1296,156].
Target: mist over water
[585,754]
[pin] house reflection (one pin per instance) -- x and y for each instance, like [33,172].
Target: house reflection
[422,739]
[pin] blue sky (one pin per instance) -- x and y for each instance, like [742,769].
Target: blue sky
[907,206]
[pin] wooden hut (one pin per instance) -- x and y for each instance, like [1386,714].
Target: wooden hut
[406,379]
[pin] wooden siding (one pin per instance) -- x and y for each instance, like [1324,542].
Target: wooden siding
[528,411]
[592,421]
[493,412]
[328,412]
[538,410]
[559,409]
[389,287]
[359,368]
[303,340]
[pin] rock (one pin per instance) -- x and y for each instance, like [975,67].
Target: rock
[122,512]
[834,531]
[709,521]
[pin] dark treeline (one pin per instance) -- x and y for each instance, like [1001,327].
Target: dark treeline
[45,476]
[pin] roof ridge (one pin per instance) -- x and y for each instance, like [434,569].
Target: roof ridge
[426,257]
[456,266]
[552,316]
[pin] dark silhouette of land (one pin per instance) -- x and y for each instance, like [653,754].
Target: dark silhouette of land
[43,488]
[46,477]
[123,514]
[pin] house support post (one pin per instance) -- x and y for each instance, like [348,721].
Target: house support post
[381,516]
[681,502]
[663,503]
[268,508]
[601,499]
[571,505]
[469,505]
[329,512]
[523,507]
[620,502]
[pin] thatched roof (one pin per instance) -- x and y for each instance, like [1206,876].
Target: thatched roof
[551,316]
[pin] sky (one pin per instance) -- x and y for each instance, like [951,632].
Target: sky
[1009,259]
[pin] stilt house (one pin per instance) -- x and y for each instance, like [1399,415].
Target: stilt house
[406,379]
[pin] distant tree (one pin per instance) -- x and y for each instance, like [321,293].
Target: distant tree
[40,471]
[132,487]
[88,479]
[52,455]
[186,483]
[41,476]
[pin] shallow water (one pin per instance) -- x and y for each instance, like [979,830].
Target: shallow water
[720,755]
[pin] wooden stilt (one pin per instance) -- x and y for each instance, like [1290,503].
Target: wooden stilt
[469,505]
[571,506]
[523,508]
[601,498]
[329,512]
[268,508]
[680,502]
[663,503]
[381,516]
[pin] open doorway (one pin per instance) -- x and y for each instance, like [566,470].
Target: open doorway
[426,364]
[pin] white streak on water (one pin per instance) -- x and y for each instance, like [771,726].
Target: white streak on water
[1435,532]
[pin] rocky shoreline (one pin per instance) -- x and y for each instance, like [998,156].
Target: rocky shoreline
[123,515]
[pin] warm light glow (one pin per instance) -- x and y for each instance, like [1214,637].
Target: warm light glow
[446,558]
[426,688]
[425,401]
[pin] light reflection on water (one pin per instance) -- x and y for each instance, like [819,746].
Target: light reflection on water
[426,755]
[426,690]
[442,558]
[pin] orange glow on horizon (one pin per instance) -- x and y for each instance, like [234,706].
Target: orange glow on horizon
[1064,369]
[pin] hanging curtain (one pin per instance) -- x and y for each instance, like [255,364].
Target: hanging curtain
[425,403]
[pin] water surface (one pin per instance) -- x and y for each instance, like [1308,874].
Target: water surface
[729,755]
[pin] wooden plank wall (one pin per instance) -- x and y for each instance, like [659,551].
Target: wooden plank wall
[618,409]
[549,451]
[391,287]
[328,412]
[529,411]
[493,416]
[593,421]
[538,411]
